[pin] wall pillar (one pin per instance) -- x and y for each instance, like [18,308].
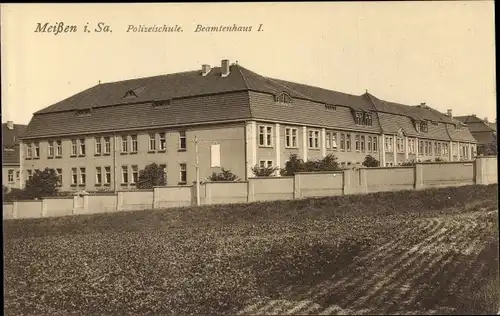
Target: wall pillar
[22,181]
[419,176]
[480,171]
[417,148]
[304,143]
[450,151]
[296,187]
[15,210]
[119,201]
[382,150]
[277,145]
[323,143]
[44,207]
[251,190]
[363,181]
[459,151]
[251,146]
[208,193]
[347,182]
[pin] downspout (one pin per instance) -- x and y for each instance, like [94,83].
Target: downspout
[114,163]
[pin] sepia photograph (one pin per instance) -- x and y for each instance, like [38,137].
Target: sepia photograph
[260,158]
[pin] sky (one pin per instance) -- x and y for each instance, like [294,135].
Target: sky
[441,53]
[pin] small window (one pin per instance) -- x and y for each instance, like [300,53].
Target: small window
[134,143]
[59,176]
[107,145]
[182,140]
[124,174]
[98,148]
[130,94]
[107,175]
[356,142]
[98,175]
[58,148]
[284,98]
[330,107]
[163,141]
[362,143]
[74,176]
[163,103]
[36,150]
[263,164]
[183,175]
[135,174]
[124,144]
[152,142]
[348,142]
[368,119]
[50,153]
[84,112]
[10,176]
[82,176]
[74,147]
[358,118]
[374,140]
[82,147]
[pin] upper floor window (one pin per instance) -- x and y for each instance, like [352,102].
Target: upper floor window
[348,142]
[284,98]
[388,144]
[356,142]
[363,143]
[82,147]
[400,145]
[134,143]
[363,118]
[36,151]
[313,139]
[375,142]
[51,149]
[290,137]
[107,145]
[368,119]
[421,126]
[29,151]
[182,140]
[74,147]
[58,148]
[163,141]
[152,142]
[124,144]
[265,136]
[98,148]
[359,118]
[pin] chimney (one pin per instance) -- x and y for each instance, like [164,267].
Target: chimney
[450,113]
[422,105]
[224,68]
[486,120]
[10,124]
[205,69]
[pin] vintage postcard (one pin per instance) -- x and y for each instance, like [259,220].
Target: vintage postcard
[250,158]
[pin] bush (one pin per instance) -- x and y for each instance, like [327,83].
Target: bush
[264,171]
[224,175]
[371,162]
[408,163]
[295,164]
[42,183]
[151,176]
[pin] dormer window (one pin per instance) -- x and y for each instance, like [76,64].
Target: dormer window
[162,103]
[84,112]
[130,94]
[358,118]
[368,119]
[421,126]
[330,107]
[283,98]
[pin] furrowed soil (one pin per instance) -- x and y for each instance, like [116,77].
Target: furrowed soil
[410,252]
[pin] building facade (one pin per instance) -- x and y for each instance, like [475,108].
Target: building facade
[101,138]
[482,130]
[10,158]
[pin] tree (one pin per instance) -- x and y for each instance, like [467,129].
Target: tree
[371,162]
[294,165]
[151,176]
[224,175]
[42,183]
[491,149]
[264,171]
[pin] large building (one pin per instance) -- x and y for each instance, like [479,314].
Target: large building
[10,158]
[100,138]
[483,130]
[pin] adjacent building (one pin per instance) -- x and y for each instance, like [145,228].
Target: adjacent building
[100,138]
[10,154]
[483,130]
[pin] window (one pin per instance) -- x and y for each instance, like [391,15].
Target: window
[124,174]
[183,175]
[362,143]
[135,174]
[163,141]
[164,168]
[348,142]
[107,175]
[37,150]
[283,98]
[59,177]
[152,142]
[10,176]
[375,142]
[420,148]
[290,137]
[74,176]
[328,140]
[73,147]
[30,174]
[356,142]
[107,145]
[82,147]
[369,143]
[98,148]
[358,118]
[84,112]
[436,152]
[265,136]
[334,141]
[17,175]
[82,175]
[342,142]
[124,144]
[313,139]
[439,150]
[388,144]
[162,103]
[401,145]
[368,119]
[182,140]
[58,148]
[330,107]
[134,143]
[411,146]
[51,149]
[29,151]
[265,164]
[455,149]
[98,175]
